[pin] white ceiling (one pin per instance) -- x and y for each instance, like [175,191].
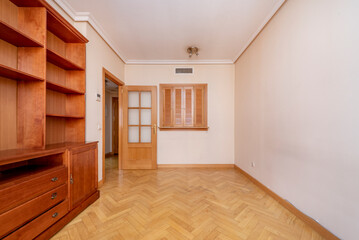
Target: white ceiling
[156,31]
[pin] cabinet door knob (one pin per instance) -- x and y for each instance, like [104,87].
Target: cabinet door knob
[54,195]
[54,215]
[54,179]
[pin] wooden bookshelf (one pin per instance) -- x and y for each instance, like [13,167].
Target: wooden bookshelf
[65,76]
[22,76]
[43,154]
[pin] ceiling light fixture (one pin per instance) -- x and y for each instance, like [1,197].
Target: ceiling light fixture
[192,50]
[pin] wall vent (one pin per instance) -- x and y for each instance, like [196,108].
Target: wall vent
[183,70]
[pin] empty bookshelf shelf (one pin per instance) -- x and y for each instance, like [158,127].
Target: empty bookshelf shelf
[16,37]
[61,61]
[62,89]
[15,74]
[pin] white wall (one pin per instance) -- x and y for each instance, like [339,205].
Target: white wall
[296,110]
[195,147]
[98,55]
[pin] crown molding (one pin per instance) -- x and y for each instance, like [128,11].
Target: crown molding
[275,9]
[178,62]
[87,17]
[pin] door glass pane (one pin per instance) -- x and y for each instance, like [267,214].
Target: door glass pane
[133,99]
[145,134]
[133,134]
[133,117]
[145,116]
[145,99]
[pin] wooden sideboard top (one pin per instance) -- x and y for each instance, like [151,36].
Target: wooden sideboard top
[18,155]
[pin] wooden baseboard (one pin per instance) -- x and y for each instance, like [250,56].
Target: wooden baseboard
[51,231]
[305,218]
[110,154]
[100,183]
[162,166]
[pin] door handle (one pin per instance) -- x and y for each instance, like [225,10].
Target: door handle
[154,128]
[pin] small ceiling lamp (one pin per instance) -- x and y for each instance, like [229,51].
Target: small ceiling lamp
[192,50]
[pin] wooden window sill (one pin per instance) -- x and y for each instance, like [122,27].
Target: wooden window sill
[183,128]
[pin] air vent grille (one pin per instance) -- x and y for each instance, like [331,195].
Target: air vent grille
[184,70]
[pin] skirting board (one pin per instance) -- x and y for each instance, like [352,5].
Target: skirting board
[305,218]
[162,166]
[100,183]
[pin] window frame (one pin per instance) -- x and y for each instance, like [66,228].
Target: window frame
[184,87]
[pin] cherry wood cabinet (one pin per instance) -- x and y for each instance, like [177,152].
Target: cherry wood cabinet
[43,189]
[83,176]
[48,173]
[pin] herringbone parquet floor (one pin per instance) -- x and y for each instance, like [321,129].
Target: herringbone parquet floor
[183,204]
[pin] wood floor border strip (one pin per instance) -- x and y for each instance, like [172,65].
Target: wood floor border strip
[162,166]
[305,218]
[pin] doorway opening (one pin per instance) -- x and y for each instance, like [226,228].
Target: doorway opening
[111,123]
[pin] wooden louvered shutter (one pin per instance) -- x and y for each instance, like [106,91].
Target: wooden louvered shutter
[167,107]
[183,106]
[178,107]
[188,106]
[198,105]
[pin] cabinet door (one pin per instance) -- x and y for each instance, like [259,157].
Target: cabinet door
[83,175]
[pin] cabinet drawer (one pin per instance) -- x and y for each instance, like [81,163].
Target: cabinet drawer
[41,223]
[23,191]
[15,217]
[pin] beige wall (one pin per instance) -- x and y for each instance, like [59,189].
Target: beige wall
[98,55]
[214,146]
[296,110]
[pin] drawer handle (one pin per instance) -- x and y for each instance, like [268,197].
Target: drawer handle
[54,215]
[53,196]
[54,179]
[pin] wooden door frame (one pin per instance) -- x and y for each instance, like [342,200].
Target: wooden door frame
[107,74]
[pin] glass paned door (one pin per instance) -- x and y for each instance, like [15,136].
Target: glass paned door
[140,127]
